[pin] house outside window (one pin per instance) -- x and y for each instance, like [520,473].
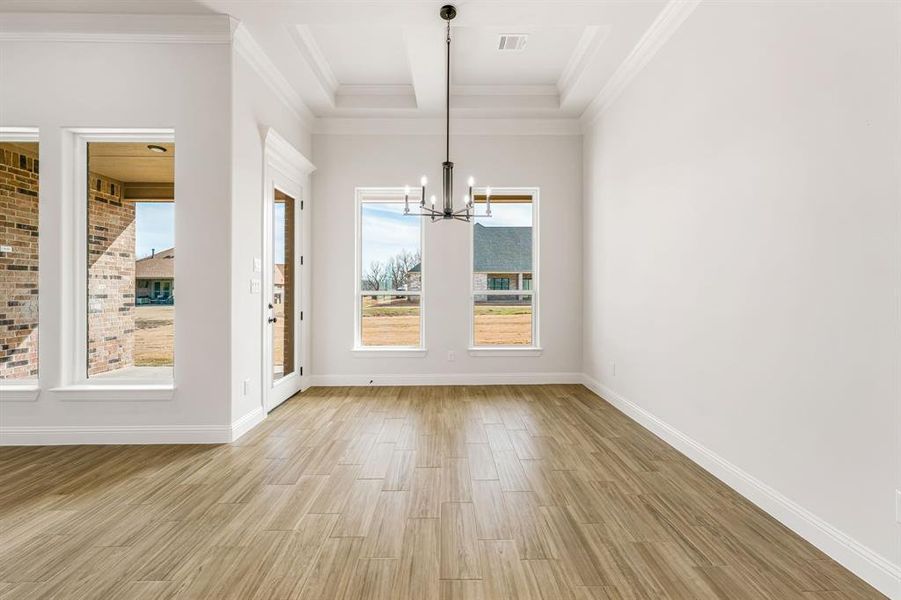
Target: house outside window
[504,251]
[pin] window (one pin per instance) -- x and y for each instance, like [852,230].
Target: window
[130,278]
[504,291]
[19,173]
[389,272]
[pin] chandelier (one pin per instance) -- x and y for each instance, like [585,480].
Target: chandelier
[447,211]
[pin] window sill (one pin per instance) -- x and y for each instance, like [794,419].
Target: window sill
[506,351]
[19,392]
[389,352]
[115,393]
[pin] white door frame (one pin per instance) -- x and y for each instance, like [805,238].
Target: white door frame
[287,170]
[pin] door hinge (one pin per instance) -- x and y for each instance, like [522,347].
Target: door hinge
[301,205]
[301,260]
[301,315]
[301,371]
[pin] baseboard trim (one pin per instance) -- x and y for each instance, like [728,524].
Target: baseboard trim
[114,434]
[445,379]
[870,566]
[247,422]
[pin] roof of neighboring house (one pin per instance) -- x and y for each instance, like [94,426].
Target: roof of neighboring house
[159,266]
[500,250]
[279,275]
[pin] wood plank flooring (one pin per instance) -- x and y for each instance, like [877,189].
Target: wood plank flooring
[533,492]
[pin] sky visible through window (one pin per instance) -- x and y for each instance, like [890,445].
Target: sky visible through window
[387,231]
[154,227]
[506,215]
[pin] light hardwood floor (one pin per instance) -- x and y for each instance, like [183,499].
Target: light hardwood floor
[399,493]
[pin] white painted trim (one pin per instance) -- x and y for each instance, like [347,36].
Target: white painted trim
[75,319]
[506,351]
[114,434]
[114,393]
[447,379]
[282,155]
[392,195]
[24,391]
[592,38]
[19,134]
[459,126]
[248,48]
[504,90]
[661,30]
[285,169]
[388,352]
[357,89]
[870,566]
[244,424]
[535,193]
[311,52]
[111,28]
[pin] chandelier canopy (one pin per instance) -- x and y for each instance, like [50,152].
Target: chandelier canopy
[467,212]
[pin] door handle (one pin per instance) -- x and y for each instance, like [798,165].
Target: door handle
[272,319]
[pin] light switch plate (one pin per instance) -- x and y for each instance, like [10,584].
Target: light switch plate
[254,286]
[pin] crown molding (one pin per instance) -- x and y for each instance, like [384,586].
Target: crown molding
[303,38]
[435,126]
[503,90]
[106,28]
[248,48]
[661,30]
[592,39]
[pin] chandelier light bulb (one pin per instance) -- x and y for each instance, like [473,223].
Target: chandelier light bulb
[433,201]
[406,190]
[487,191]
[472,181]
[423,181]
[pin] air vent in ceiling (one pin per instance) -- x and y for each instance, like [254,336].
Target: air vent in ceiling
[512,41]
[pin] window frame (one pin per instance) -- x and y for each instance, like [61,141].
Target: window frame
[27,389]
[385,195]
[533,349]
[76,383]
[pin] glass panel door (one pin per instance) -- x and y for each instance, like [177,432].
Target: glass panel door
[281,303]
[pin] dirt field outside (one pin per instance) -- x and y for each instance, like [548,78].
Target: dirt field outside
[154,335]
[397,324]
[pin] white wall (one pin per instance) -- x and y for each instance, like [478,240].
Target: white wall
[256,107]
[93,84]
[552,163]
[741,240]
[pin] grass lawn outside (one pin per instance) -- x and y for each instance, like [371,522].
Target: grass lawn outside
[396,323]
[154,335]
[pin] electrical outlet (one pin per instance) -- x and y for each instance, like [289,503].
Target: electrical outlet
[254,286]
[6,248]
[451,356]
[246,387]
[898,505]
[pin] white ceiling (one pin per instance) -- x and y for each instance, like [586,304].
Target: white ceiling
[380,58]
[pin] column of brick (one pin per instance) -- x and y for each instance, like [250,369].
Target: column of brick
[19,171]
[111,276]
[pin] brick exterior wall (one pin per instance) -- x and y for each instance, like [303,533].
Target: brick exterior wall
[290,295]
[111,277]
[19,268]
